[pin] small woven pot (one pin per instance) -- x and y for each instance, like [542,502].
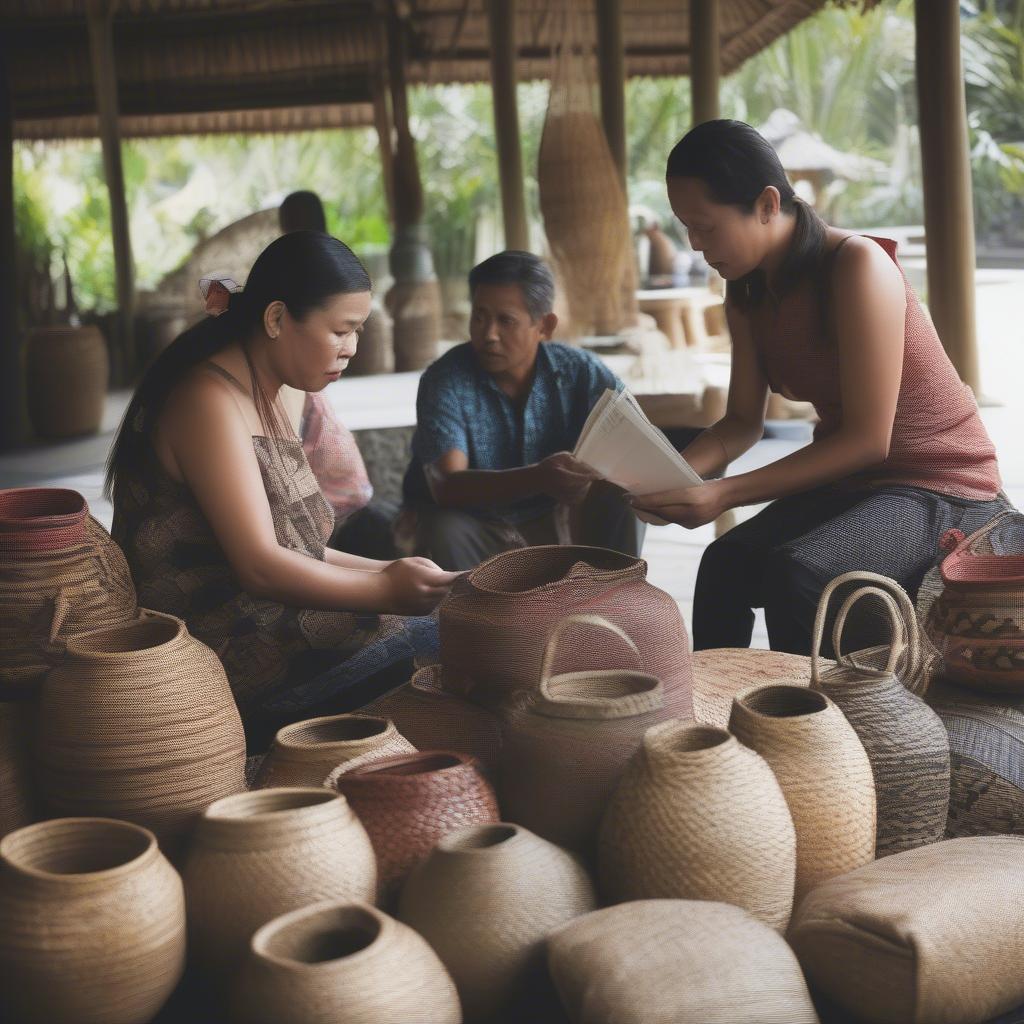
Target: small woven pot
[67,373]
[139,723]
[407,802]
[415,308]
[569,742]
[485,899]
[824,774]
[255,856]
[698,816]
[342,963]
[305,753]
[16,803]
[92,924]
[904,739]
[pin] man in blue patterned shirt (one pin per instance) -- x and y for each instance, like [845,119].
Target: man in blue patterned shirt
[497,419]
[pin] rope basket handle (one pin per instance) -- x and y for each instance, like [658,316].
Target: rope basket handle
[562,626]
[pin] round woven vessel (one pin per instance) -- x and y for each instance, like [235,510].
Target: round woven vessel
[139,723]
[823,772]
[92,924]
[16,803]
[67,374]
[255,856]
[305,753]
[415,308]
[342,963]
[375,351]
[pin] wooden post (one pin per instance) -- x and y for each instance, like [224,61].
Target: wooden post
[705,59]
[101,48]
[611,62]
[946,169]
[385,140]
[502,23]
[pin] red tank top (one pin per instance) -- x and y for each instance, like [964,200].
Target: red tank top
[938,440]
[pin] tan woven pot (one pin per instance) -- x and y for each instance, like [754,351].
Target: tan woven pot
[485,899]
[699,816]
[139,723]
[342,963]
[92,924]
[16,802]
[60,574]
[305,753]
[255,856]
[929,936]
[568,744]
[68,372]
[494,621]
[904,739]
[375,351]
[824,774]
[415,307]
[407,802]
[677,962]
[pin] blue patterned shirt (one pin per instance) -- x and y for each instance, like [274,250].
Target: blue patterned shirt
[459,406]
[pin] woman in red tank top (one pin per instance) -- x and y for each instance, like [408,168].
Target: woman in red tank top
[899,454]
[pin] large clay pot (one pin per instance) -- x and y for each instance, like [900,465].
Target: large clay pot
[485,899]
[255,856]
[342,963]
[139,722]
[698,816]
[904,739]
[92,924]
[824,774]
[60,574]
[568,743]
[16,803]
[68,371]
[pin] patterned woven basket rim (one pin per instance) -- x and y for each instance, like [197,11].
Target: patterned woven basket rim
[41,518]
[421,762]
[81,645]
[645,696]
[232,808]
[375,725]
[964,569]
[814,701]
[480,577]
[378,925]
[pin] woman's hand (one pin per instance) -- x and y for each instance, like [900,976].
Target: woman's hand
[687,506]
[414,586]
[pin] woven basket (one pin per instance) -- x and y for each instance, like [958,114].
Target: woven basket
[929,936]
[407,802]
[16,803]
[415,307]
[342,963]
[60,574]
[495,619]
[569,742]
[824,774]
[375,352]
[698,816]
[677,962]
[485,899]
[68,372]
[255,856]
[904,739]
[139,723]
[92,924]
[305,753]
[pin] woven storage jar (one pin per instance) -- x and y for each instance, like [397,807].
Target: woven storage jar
[305,753]
[68,372]
[929,936]
[92,924]
[375,351]
[60,574]
[904,739]
[495,619]
[16,802]
[407,802]
[485,899]
[139,723]
[415,308]
[255,856]
[698,816]
[677,962]
[824,774]
[342,963]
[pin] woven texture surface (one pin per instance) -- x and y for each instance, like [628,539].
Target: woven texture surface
[375,351]
[415,308]
[67,373]
[16,803]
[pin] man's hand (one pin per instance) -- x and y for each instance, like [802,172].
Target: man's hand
[564,478]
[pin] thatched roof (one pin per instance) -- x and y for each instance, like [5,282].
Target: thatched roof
[271,65]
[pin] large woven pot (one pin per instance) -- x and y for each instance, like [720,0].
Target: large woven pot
[485,899]
[415,308]
[677,962]
[60,574]
[375,351]
[407,802]
[16,802]
[68,372]
[342,963]
[495,619]
[569,742]
[824,774]
[904,739]
[698,816]
[929,936]
[305,753]
[92,924]
[139,723]
[255,856]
